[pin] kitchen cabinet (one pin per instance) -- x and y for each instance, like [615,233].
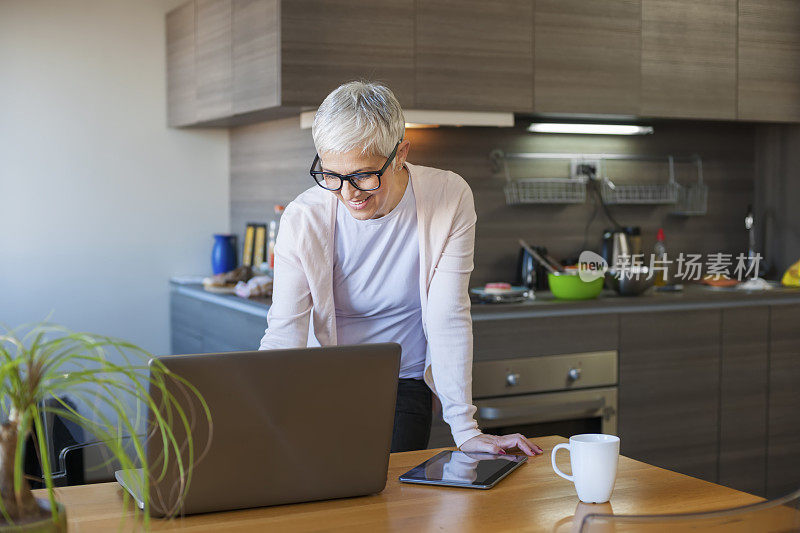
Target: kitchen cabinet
[255,49]
[233,62]
[213,68]
[474,55]
[325,43]
[743,399]
[531,337]
[199,326]
[783,457]
[587,56]
[221,60]
[689,58]
[769,60]
[186,319]
[180,65]
[669,378]
[253,60]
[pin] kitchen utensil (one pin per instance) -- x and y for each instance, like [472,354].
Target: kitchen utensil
[631,281]
[594,458]
[634,234]
[513,295]
[749,223]
[569,286]
[555,264]
[529,272]
[620,242]
[536,256]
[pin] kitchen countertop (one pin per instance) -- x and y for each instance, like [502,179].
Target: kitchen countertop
[692,297]
[532,498]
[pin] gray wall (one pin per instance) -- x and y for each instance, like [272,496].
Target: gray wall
[269,164]
[101,202]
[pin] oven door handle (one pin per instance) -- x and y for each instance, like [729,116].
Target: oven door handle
[545,413]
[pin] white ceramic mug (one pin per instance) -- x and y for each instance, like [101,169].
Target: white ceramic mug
[594,459]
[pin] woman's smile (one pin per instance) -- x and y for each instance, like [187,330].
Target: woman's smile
[358,204]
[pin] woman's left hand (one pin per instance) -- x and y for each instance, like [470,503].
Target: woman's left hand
[500,443]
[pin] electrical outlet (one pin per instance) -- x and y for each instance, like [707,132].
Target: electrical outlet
[578,167]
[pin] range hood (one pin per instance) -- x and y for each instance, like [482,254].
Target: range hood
[422,118]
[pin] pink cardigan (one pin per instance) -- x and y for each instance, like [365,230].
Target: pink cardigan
[303,288]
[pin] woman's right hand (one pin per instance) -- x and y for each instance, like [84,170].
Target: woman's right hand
[498,444]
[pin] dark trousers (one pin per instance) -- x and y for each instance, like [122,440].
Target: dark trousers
[412,416]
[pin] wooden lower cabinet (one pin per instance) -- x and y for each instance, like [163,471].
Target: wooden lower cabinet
[205,327]
[669,377]
[783,444]
[743,399]
[186,324]
[531,337]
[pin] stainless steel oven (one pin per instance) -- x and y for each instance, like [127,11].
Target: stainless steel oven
[548,395]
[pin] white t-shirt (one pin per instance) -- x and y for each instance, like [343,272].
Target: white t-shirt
[376,282]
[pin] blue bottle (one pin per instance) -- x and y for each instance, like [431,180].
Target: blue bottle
[223,254]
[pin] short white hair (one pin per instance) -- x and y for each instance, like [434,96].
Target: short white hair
[359,115]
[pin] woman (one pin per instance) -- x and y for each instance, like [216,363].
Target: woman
[381,250]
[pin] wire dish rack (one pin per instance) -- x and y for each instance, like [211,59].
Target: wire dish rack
[687,199]
[546,191]
[571,190]
[690,199]
[641,193]
[693,198]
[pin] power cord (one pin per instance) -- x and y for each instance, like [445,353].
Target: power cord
[592,183]
[591,172]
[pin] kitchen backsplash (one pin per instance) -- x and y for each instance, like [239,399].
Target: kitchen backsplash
[270,162]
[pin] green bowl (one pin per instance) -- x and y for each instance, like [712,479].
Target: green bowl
[572,287]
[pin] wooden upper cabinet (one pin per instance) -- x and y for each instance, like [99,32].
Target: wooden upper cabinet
[769,60]
[689,58]
[256,59]
[238,61]
[213,69]
[325,43]
[587,56]
[180,65]
[474,55]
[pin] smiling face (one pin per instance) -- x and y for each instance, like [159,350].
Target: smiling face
[364,205]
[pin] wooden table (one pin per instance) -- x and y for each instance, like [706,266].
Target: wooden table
[532,498]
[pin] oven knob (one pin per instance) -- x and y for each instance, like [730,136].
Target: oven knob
[512,379]
[574,374]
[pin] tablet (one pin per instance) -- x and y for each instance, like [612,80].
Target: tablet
[462,469]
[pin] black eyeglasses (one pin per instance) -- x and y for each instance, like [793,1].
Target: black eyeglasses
[363,181]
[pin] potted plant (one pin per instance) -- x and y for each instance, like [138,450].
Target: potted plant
[113,385]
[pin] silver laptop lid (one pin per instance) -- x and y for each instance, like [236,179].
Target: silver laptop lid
[288,426]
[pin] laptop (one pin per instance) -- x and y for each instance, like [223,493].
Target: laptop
[288,426]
